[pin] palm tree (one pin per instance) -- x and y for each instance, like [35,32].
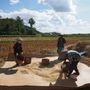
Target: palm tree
[31,22]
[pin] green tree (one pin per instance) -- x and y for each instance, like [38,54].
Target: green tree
[0,17]
[10,26]
[20,25]
[31,22]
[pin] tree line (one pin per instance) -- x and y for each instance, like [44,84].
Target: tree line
[10,26]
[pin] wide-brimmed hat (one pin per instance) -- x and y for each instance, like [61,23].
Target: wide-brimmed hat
[19,39]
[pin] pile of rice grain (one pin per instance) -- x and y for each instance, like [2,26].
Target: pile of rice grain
[48,73]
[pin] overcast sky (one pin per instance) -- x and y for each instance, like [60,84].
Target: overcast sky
[64,16]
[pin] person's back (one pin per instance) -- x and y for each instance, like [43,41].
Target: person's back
[73,56]
[17,47]
[61,42]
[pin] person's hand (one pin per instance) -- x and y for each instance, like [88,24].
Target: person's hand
[16,54]
[22,53]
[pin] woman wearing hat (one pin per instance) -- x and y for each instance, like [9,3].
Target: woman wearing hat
[18,51]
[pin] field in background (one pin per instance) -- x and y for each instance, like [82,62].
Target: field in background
[36,46]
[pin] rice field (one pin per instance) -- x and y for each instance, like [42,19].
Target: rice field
[36,46]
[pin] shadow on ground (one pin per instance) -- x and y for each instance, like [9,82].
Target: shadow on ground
[8,71]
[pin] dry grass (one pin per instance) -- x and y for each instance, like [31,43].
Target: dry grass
[33,47]
[39,47]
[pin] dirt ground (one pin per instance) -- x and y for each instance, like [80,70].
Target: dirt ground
[35,74]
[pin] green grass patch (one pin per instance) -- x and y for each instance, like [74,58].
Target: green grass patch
[6,41]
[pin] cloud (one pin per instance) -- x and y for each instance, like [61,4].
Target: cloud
[46,21]
[60,5]
[14,1]
[43,19]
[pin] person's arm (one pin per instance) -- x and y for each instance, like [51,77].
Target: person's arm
[65,57]
[64,40]
[21,49]
[58,42]
[14,47]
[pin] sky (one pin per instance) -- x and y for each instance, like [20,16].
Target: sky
[63,16]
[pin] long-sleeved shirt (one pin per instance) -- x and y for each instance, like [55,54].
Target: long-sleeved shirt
[61,42]
[17,48]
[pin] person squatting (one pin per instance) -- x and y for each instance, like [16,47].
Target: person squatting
[74,58]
